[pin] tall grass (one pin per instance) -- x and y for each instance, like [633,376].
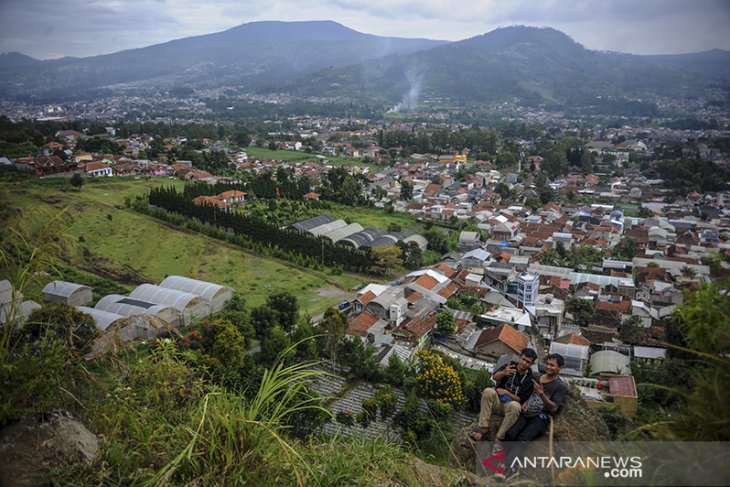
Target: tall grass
[163,424]
[29,249]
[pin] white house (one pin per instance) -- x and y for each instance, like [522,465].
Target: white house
[97,170]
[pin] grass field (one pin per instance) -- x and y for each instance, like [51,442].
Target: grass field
[112,240]
[289,212]
[299,156]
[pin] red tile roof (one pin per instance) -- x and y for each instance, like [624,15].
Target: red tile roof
[361,324]
[414,297]
[574,339]
[366,298]
[231,194]
[93,166]
[505,334]
[209,200]
[449,290]
[445,270]
[426,282]
[418,327]
[431,189]
[623,307]
[559,282]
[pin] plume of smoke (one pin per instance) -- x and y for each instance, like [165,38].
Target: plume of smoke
[409,102]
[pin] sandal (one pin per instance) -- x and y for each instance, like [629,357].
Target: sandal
[498,447]
[479,434]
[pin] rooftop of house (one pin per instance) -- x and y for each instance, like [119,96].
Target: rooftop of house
[505,334]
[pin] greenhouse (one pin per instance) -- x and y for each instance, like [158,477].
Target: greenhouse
[125,329]
[339,233]
[67,292]
[386,240]
[189,305]
[327,227]
[419,240]
[363,238]
[576,357]
[217,295]
[102,318]
[6,292]
[122,305]
[12,306]
[608,362]
[18,315]
[307,225]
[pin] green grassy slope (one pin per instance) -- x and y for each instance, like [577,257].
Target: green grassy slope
[128,247]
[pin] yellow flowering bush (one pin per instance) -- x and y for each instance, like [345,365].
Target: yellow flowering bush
[438,381]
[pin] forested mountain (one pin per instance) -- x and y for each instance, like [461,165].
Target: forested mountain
[522,65]
[251,55]
[532,65]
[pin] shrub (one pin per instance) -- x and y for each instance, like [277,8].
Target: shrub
[346,418]
[438,380]
[385,398]
[31,377]
[61,322]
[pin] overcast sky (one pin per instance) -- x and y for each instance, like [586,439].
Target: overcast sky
[48,29]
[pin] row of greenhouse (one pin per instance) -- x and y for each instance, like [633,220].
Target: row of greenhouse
[353,234]
[177,301]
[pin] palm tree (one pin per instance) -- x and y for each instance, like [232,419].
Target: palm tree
[549,257]
[688,271]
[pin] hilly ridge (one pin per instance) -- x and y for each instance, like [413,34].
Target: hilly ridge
[534,65]
[250,56]
[526,65]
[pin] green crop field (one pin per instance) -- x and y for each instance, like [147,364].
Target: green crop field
[288,212]
[122,245]
[300,156]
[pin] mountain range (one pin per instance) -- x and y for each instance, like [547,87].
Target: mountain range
[326,59]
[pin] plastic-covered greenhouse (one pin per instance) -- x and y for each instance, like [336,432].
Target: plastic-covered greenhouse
[307,225]
[327,227]
[609,362]
[102,318]
[67,292]
[18,315]
[363,238]
[6,292]
[215,294]
[576,357]
[419,239]
[386,240]
[339,233]
[12,306]
[190,305]
[122,305]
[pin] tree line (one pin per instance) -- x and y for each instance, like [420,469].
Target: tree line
[261,186]
[319,248]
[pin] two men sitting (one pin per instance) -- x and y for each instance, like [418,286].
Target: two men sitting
[514,386]
[528,405]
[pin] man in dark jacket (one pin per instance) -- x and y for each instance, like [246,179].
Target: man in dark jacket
[514,385]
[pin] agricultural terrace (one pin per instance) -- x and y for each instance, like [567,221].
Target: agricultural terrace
[121,245]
